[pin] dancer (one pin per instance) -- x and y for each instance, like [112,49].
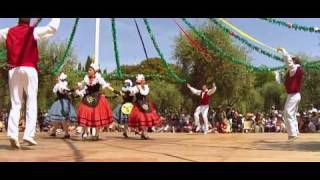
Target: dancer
[23,57]
[293,81]
[203,108]
[94,111]
[62,112]
[143,114]
[122,111]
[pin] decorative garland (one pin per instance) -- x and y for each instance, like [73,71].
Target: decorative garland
[60,64]
[221,53]
[115,47]
[247,36]
[245,42]
[169,70]
[194,43]
[293,26]
[310,65]
[2,55]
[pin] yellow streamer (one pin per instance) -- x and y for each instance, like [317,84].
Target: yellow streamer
[245,34]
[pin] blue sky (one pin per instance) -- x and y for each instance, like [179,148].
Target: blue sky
[165,31]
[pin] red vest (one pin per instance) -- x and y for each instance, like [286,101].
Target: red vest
[204,98]
[22,49]
[293,83]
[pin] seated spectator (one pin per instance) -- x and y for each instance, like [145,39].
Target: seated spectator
[270,125]
[259,123]
[249,123]
[303,123]
[237,122]
[280,126]
[222,122]
[312,109]
[175,123]
[311,127]
[2,126]
[314,119]
[224,126]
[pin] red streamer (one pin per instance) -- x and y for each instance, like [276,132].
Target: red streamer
[196,44]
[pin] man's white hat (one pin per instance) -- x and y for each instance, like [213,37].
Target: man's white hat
[63,76]
[140,77]
[128,81]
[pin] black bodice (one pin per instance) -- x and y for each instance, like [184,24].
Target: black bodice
[62,95]
[93,89]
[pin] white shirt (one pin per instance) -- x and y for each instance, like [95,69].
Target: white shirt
[292,68]
[138,88]
[40,33]
[60,87]
[198,92]
[98,79]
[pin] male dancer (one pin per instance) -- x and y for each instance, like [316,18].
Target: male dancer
[203,107]
[23,57]
[293,80]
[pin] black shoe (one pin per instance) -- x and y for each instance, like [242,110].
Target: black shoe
[95,138]
[67,136]
[53,134]
[82,136]
[144,137]
[125,135]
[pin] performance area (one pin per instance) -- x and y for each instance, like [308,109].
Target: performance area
[167,147]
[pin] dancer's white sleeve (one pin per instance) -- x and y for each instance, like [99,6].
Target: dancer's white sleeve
[292,68]
[81,92]
[144,91]
[42,33]
[82,84]
[212,90]
[55,88]
[3,34]
[134,90]
[103,83]
[63,87]
[195,91]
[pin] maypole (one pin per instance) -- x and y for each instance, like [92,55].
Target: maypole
[96,50]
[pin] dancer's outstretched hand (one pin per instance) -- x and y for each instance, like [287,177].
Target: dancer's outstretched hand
[188,85]
[280,49]
[121,93]
[116,92]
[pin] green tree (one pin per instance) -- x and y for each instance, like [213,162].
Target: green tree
[89,61]
[79,67]
[310,90]
[151,66]
[4,93]
[263,77]
[273,94]
[165,96]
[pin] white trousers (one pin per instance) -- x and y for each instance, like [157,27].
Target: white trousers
[290,116]
[203,110]
[23,79]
